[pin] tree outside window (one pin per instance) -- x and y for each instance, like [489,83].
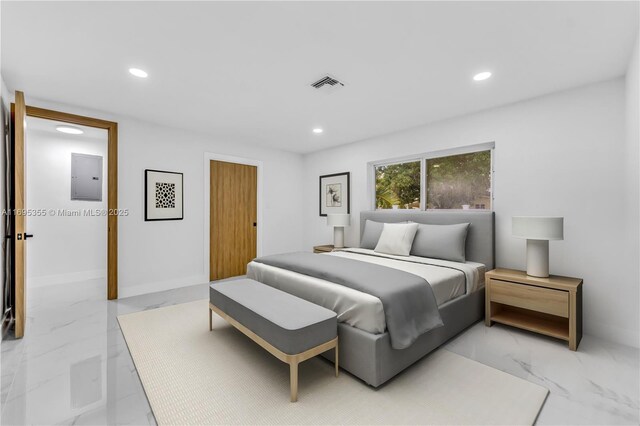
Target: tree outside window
[398,186]
[459,181]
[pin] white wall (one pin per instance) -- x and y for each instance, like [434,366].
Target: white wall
[155,256]
[65,248]
[561,154]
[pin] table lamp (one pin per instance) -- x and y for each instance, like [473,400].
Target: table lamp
[538,230]
[338,221]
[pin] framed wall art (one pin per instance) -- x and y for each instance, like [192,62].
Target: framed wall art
[163,198]
[334,193]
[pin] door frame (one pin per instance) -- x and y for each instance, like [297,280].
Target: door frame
[208,157]
[112,182]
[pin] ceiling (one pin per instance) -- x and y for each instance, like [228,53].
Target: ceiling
[242,71]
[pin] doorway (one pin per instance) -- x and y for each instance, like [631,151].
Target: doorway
[233,217]
[19,227]
[66,189]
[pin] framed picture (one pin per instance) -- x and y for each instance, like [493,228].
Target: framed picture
[163,195]
[334,194]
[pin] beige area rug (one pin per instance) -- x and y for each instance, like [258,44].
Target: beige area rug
[194,376]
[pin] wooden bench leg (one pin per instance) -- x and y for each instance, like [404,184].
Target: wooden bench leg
[337,368]
[293,375]
[210,319]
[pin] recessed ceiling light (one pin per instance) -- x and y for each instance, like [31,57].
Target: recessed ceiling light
[318,130]
[138,72]
[69,130]
[482,76]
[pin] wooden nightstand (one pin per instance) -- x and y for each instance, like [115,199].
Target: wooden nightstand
[550,306]
[323,249]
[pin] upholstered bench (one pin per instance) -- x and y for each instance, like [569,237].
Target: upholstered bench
[291,329]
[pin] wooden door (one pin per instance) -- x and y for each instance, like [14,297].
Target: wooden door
[233,219]
[19,115]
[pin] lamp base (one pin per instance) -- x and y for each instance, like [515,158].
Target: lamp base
[338,237]
[538,258]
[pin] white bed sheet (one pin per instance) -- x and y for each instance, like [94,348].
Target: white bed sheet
[449,280]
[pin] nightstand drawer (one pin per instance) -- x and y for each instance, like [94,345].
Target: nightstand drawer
[554,302]
[323,249]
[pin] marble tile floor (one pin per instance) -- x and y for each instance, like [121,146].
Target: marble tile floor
[73,366]
[597,385]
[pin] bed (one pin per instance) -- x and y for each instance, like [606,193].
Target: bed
[365,345]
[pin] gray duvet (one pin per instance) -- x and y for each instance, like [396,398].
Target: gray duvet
[410,307]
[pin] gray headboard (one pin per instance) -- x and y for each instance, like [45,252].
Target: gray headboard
[480,239]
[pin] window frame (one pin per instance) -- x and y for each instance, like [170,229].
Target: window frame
[422,158]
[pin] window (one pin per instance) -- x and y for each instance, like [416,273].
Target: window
[453,179]
[398,185]
[459,181]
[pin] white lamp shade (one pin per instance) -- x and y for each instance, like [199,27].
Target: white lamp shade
[338,219]
[538,227]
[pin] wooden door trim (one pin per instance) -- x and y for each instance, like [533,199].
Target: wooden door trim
[18,109]
[112,182]
[208,157]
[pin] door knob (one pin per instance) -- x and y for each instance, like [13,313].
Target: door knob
[28,236]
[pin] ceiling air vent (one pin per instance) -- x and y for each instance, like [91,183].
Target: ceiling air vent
[327,83]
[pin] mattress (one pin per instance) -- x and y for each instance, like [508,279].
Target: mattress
[449,280]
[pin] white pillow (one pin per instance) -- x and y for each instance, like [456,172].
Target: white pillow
[397,238]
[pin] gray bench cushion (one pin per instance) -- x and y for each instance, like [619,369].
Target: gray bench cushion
[289,323]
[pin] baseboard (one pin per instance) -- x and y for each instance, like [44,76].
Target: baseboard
[71,277]
[125,290]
